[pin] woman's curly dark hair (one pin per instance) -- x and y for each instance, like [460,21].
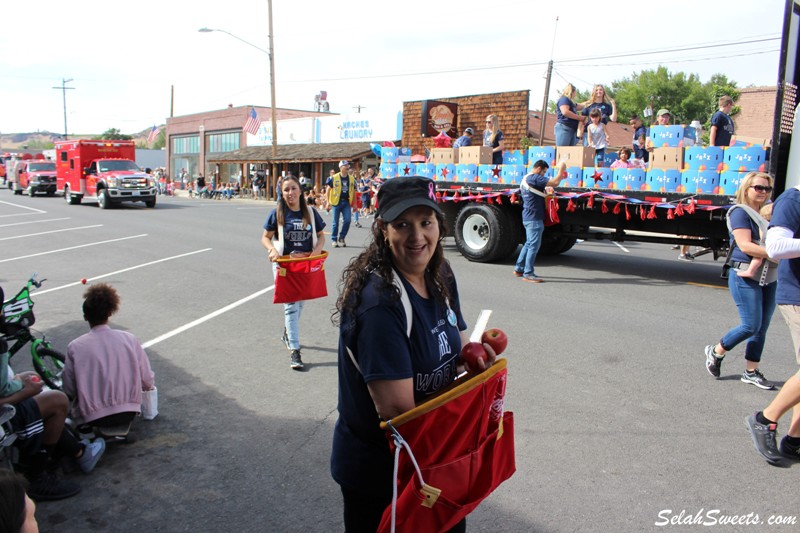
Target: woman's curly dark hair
[100,302]
[377,258]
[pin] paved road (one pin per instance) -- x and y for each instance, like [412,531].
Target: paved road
[617,420]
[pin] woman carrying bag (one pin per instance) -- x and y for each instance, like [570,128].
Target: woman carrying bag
[754,298]
[299,231]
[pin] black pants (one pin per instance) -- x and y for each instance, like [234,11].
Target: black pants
[362,514]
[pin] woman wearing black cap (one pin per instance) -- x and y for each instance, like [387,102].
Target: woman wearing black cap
[385,366]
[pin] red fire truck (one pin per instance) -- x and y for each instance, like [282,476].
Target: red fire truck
[104,171]
[37,175]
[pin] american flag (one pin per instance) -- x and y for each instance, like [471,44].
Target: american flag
[253,123]
[153,134]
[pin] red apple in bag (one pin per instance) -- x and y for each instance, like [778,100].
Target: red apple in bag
[496,338]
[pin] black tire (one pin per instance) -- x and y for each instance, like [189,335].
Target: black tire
[553,243]
[49,364]
[483,233]
[71,199]
[31,191]
[103,200]
[150,203]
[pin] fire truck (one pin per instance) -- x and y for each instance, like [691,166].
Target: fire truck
[102,171]
[37,176]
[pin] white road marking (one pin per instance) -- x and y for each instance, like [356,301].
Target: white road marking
[621,247]
[47,232]
[206,318]
[23,207]
[73,248]
[32,222]
[38,293]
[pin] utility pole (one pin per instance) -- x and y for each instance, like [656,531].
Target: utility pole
[358,108]
[63,90]
[547,87]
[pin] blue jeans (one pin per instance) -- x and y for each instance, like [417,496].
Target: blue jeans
[533,239]
[565,136]
[291,317]
[756,305]
[345,211]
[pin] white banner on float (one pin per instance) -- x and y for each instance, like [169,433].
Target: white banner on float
[360,127]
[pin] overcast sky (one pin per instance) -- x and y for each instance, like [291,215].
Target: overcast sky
[124,57]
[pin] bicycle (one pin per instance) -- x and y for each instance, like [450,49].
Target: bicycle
[16,319]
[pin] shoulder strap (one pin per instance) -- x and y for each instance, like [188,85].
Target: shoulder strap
[279,246]
[753,214]
[524,185]
[406,307]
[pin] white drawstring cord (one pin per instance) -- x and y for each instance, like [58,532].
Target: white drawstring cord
[401,443]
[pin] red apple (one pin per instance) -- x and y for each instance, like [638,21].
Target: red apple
[470,353]
[496,338]
[83,280]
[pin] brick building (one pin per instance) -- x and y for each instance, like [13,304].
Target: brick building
[757,112]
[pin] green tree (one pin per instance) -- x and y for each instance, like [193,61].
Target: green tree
[113,134]
[684,95]
[719,85]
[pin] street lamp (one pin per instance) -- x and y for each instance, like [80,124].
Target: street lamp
[271,54]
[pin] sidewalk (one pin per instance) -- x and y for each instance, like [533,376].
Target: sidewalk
[185,194]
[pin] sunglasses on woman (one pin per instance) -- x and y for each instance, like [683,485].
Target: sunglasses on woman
[762,188]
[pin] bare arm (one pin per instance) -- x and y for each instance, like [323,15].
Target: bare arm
[712,136]
[392,397]
[500,146]
[743,238]
[558,175]
[565,110]
[266,242]
[320,243]
[30,388]
[613,117]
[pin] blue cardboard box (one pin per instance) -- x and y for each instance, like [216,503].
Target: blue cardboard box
[489,173]
[629,179]
[389,154]
[700,158]
[663,180]
[404,151]
[514,157]
[467,172]
[700,182]
[667,136]
[610,157]
[512,174]
[603,180]
[574,177]
[546,153]
[388,170]
[744,159]
[445,172]
[426,170]
[729,182]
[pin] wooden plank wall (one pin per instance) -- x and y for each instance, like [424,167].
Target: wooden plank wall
[511,107]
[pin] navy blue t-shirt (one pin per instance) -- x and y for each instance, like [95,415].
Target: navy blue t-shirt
[604,108]
[740,219]
[296,237]
[533,207]
[724,124]
[640,152]
[376,334]
[786,214]
[497,157]
[570,122]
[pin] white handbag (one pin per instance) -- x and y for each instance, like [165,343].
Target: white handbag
[150,403]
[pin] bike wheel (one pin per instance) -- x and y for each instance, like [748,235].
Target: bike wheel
[49,364]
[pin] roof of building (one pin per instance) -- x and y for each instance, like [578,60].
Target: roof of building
[291,153]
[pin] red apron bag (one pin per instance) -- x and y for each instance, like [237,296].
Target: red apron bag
[301,278]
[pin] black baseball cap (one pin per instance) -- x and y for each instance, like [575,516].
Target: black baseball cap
[399,194]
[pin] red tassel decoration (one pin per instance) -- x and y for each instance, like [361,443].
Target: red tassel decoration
[571,207]
[479,198]
[642,213]
[456,197]
[652,214]
[617,209]
[590,203]
[679,210]
[670,214]
[627,213]
[604,208]
[690,207]
[438,196]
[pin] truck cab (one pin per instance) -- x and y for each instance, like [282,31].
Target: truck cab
[37,176]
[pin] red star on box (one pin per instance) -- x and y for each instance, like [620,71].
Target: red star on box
[496,171]
[444,173]
[597,176]
[406,170]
